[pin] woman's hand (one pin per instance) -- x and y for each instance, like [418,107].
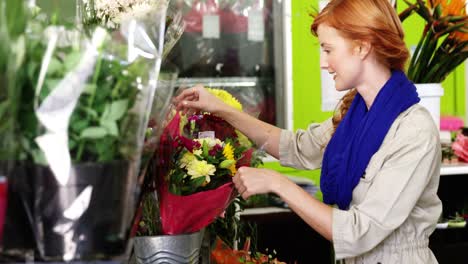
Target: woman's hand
[251,181]
[199,99]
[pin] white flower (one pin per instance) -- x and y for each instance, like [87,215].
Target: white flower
[186,159]
[211,142]
[200,168]
[113,12]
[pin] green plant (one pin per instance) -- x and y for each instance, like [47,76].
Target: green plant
[13,19]
[106,123]
[102,118]
[149,224]
[443,44]
[230,229]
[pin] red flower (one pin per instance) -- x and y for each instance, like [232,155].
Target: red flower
[246,159]
[188,143]
[215,150]
[221,128]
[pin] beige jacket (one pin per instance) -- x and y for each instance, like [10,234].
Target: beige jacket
[395,208]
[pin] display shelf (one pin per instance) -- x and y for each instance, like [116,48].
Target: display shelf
[265,210]
[453,169]
[219,81]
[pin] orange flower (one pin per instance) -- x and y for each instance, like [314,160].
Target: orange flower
[449,7]
[455,8]
[459,36]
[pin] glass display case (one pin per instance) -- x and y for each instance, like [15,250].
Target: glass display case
[240,46]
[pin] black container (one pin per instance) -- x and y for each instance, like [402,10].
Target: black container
[86,219]
[18,237]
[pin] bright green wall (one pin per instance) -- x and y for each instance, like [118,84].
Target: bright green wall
[306,76]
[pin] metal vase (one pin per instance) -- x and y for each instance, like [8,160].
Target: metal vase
[172,249]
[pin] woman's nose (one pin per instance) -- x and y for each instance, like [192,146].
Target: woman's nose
[323,64]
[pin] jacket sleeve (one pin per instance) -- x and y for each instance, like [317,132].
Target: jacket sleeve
[394,189]
[304,149]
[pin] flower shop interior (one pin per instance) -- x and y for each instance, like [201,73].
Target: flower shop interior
[97,166]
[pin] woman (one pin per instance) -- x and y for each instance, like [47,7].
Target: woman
[379,154]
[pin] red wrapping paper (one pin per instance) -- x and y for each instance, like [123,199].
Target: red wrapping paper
[3,205]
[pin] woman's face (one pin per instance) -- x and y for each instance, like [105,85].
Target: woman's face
[339,57]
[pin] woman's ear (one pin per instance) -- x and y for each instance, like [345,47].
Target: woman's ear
[363,48]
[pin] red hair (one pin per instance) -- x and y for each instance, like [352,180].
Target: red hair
[373,21]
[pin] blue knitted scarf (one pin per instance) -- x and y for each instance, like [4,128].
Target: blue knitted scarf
[359,136]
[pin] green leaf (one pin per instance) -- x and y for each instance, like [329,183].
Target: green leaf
[106,149]
[72,144]
[3,108]
[90,111]
[17,17]
[19,48]
[89,88]
[78,125]
[55,66]
[71,61]
[93,133]
[114,111]
[197,182]
[51,83]
[111,127]
[118,109]
[206,149]
[39,157]
[173,189]
[177,176]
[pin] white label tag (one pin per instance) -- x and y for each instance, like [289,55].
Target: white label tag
[256,26]
[211,26]
[206,134]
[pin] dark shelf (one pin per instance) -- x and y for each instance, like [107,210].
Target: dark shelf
[293,240]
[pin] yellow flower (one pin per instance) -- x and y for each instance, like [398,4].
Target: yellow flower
[226,97]
[186,159]
[228,153]
[200,168]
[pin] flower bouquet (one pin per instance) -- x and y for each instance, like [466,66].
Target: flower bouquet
[444,41]
[194,164]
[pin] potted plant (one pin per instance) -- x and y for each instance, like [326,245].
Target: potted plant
[441,48]
[17,235]
[84,109]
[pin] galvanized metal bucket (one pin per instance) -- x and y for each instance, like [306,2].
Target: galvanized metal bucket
[175,249]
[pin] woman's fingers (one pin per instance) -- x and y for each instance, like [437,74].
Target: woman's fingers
[188,98]
[240,182]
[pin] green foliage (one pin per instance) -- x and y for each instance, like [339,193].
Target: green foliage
[150,224]
[230,229]
[102,127]
[13,18]
[98,124]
